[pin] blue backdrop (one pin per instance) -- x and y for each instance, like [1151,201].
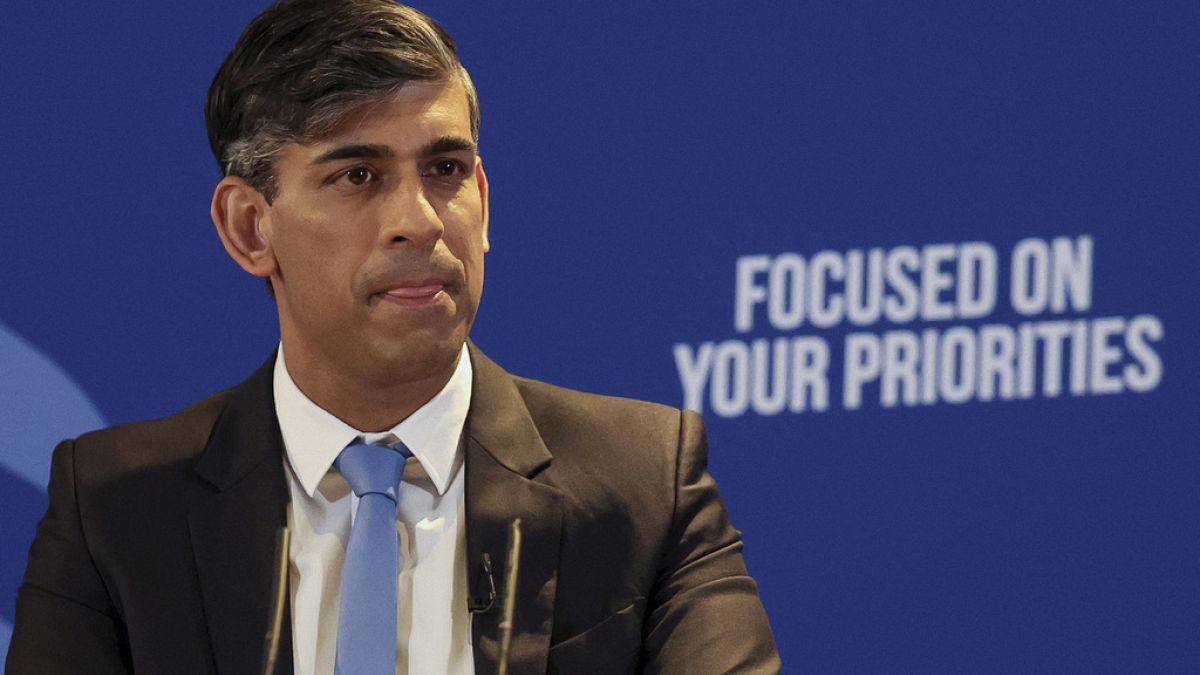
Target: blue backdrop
[928,269]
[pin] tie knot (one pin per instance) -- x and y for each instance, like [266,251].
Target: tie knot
[373,468]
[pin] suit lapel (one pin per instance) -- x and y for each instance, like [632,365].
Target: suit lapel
[504,455]
[233,526]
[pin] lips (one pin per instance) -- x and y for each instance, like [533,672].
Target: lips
[415,292]
[406,281]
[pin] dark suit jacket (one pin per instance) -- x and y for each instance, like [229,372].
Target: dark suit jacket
[156,552]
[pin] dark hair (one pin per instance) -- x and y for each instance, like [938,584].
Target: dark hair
[302,65]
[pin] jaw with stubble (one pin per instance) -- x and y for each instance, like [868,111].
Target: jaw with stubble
[372,381]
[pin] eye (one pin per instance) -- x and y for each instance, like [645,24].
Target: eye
[447,168]
[359,175]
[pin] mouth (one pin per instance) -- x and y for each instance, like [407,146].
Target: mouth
[418,293]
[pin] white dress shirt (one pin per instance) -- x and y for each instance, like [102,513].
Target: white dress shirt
[433,623]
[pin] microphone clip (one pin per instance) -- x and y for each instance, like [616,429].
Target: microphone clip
[482,604]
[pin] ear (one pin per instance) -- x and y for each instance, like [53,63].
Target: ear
[240,213]
[482,181]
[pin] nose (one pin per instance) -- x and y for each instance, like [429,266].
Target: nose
[408,217]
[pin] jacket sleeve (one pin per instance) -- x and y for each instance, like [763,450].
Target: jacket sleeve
[705,615]
[65,620]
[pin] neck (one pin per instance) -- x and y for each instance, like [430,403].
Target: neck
[367,404]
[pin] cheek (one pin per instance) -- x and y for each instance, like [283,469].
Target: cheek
[311,253]
[464,235]
[467,247]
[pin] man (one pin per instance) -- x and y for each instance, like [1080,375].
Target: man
[347,135]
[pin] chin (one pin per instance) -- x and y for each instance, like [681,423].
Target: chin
[416,358]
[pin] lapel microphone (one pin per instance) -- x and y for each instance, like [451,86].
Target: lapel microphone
[482,604]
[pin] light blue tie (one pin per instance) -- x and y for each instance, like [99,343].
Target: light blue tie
[366,641]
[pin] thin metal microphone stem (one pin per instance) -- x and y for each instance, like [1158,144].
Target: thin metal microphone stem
[510,592]
[283,538]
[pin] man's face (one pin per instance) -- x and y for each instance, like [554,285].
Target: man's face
[378,232]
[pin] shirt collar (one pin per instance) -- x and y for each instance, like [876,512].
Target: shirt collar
[313,437]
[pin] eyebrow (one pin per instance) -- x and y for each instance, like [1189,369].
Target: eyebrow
[357,150]
[438,146]
[447,144]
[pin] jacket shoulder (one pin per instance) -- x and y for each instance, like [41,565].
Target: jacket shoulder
[560,412]
[135,446]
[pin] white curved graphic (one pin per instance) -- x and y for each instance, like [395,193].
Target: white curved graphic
[41,406]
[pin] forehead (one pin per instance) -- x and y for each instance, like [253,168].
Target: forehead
[406,121]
